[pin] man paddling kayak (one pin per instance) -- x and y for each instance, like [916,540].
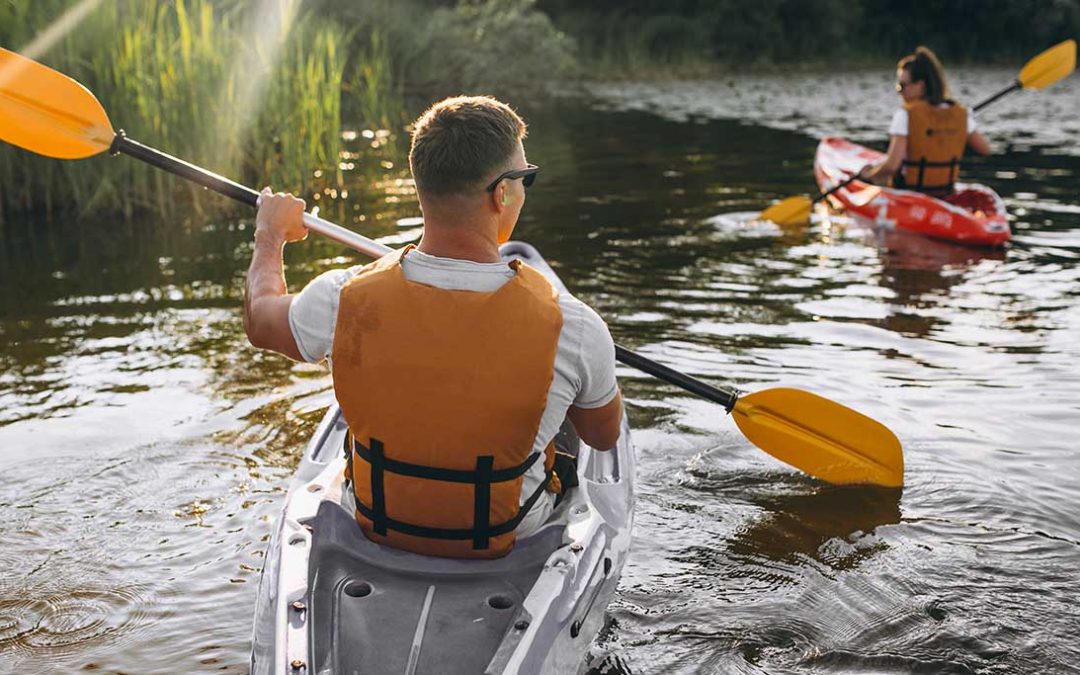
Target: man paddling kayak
[453,369]
[928,135]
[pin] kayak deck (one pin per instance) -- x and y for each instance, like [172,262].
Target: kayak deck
[334,601]
[973,214]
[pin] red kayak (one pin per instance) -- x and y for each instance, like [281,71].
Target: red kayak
[973,214]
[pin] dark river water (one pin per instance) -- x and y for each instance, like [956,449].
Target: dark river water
[144,447]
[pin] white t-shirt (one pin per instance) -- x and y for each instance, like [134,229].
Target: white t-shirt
[899,124]
[584,360]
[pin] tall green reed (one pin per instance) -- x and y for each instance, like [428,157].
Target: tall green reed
[167,72]
[184,76]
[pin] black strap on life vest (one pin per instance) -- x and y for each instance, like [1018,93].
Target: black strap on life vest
[481,478]
[920,186]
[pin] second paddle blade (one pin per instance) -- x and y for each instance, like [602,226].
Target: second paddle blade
[1050,66]
[791,211]
[823,438]
[49,113]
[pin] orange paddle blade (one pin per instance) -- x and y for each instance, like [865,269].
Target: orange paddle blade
[1050,66]
[791,211]
[823,438]
[49,113]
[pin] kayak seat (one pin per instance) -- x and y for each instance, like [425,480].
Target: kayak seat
[975,201]
[370,604]
[567,447]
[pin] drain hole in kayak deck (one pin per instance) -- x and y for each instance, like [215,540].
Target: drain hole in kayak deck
[357,589]
[500,602]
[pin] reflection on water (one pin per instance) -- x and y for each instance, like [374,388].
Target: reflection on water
[833,526]
[144,445]
[856,103]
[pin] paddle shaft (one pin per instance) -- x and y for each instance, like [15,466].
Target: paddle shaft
[1007,90]
[358,242]
[672,376]
[241,193]
[839,186]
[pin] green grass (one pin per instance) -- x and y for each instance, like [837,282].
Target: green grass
[195,78]
[181,75]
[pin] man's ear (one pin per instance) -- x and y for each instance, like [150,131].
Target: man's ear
[501,197]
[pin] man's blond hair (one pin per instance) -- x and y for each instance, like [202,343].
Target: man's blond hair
[461,141]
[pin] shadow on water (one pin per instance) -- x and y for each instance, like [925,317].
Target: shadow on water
[919,272]
[834,525]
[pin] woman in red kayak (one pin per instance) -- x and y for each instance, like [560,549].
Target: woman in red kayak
[928,135]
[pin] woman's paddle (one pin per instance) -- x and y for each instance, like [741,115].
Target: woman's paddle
[796,210]
[1049,67]
[48,113]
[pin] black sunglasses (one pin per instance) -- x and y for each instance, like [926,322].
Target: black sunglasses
[527,176]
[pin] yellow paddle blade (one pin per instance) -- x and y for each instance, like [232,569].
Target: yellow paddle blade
[791,211]
[1050,66]
[823,438]
[49,113]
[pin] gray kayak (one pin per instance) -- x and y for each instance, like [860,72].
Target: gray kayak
[331,601]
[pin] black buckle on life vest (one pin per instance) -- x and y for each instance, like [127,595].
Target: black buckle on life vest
[481,478]
[920,186]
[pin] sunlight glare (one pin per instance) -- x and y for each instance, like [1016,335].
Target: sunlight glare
[268,24]
[58,29]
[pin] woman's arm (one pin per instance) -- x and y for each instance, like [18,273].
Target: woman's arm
[977,142]
[888,167]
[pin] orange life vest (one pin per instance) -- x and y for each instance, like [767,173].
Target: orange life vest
[443,392]
[937,137]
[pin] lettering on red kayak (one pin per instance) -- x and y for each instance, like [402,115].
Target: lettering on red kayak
[941,219]
[882,219]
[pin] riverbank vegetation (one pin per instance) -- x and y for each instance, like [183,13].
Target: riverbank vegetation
[313,95]
[650,36]
[191,79]
[292,94]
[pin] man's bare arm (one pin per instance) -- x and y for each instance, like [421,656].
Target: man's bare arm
[599,427]
[266,297]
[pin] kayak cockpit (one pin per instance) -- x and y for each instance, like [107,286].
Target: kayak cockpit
[374,611]
[338,602]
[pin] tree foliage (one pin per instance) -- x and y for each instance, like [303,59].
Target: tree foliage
[789,31]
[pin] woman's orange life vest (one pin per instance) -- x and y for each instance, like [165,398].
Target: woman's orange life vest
[443,392]
[937,137]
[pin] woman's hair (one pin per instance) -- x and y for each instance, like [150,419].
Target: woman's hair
[923,66]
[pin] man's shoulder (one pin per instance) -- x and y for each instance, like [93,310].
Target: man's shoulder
[580,319]
[328,285]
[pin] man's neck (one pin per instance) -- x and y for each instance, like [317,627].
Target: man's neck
[459,242]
